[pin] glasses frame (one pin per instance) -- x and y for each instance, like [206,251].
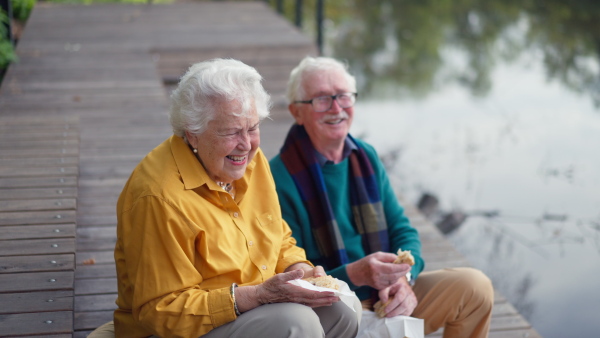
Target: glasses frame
[333,98]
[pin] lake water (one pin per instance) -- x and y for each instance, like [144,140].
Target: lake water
[511,141]
[528,154]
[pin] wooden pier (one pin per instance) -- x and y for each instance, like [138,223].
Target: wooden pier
[84,104]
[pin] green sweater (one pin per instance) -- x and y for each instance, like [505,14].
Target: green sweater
[337,180]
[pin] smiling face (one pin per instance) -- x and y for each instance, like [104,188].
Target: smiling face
[333,125]
[229,142]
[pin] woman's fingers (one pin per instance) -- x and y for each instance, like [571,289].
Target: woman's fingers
[277,290]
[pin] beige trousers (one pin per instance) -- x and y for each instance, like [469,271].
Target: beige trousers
[460,300]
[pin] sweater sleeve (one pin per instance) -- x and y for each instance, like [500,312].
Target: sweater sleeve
[401,233]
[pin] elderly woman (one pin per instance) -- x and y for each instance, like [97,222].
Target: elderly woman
[202,249]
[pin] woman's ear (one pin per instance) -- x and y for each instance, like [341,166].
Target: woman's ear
[191,138]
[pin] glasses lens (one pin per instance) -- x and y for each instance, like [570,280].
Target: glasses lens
[345,100]
[322,103]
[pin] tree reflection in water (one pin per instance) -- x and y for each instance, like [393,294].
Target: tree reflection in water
[405,46]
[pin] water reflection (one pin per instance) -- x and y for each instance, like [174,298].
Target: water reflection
[492,106]
[407,46]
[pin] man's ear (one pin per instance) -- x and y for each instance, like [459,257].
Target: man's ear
[295,111]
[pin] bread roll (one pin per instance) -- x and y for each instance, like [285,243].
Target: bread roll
[405,257]
[324,282]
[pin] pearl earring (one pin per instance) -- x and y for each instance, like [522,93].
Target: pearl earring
[195,151]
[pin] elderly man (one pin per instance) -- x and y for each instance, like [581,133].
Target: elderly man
[338,201]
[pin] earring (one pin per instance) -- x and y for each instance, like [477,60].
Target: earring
[195,151]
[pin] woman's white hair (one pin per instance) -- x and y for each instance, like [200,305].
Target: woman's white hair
[206,85]
[295,89]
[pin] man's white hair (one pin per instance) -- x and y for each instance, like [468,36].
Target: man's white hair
[295,90]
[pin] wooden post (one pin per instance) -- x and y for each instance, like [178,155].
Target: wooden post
[299,13]
[320,16]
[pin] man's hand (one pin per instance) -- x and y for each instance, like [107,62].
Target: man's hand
[309,271]
[376,270]
[402,299]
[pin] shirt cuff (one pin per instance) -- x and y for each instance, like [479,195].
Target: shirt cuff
[220,307]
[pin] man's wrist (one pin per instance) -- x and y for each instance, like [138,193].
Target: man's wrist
[409,279]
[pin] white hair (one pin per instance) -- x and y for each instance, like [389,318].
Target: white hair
[295,89]
[206,84]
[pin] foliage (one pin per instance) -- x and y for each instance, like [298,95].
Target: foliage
[7,52]
[89,2]
[22,8]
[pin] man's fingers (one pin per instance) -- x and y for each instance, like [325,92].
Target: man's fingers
[385,257]
[390,268]
[291,275]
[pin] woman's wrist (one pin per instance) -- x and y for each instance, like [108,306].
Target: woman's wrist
[247,298]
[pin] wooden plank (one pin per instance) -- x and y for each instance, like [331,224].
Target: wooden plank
[82,334]
[96,245]
[7,143]
[37,263]
[40,121]
[37,231]
[38,161]
[26,171]
[97,220]
[30,152]
[41,323]
[37,246]
[44,301]
[39,182]
[96,286]
[37,281]
[99,257]
[103,302]
[37,217]
[515,321]
[37,204]
[503,309]
[91,320]
[27,193]
[96,271]
[41,135]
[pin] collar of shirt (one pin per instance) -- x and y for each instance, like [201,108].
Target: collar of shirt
[349,146]
[192,171]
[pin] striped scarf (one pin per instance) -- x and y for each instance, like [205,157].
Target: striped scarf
[299,157]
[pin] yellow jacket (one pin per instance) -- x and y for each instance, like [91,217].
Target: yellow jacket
[182,241]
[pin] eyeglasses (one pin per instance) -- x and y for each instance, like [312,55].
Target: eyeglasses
[323,103]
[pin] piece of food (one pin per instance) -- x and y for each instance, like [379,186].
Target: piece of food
[324,282]
[404,257]
[379,308]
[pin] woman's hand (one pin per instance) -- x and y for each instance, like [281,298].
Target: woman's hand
[277,290]
[376,270]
